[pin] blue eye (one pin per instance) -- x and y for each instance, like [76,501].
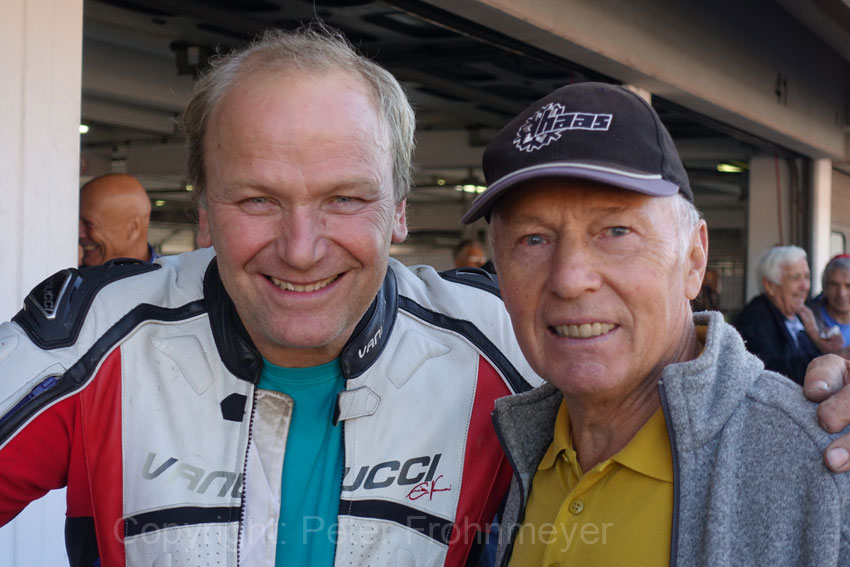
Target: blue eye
[618,231]
[256,205]
[534,240]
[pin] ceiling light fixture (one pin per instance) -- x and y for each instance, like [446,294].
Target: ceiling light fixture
[729,168]
[470,188]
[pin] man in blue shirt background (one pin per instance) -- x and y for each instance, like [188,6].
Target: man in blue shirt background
[832,307]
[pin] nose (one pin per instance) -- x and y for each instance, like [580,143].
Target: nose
[302,241]
[574,270]
[82,230]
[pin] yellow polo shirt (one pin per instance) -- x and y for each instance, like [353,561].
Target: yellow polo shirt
[618,513]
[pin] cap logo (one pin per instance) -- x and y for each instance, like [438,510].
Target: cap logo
[547,124]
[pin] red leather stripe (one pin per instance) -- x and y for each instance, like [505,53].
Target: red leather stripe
[37,458]
[486,471]
[100,405]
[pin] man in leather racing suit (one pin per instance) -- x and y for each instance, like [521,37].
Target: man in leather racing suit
[167,397]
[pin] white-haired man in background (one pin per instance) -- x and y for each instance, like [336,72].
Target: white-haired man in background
[777,326]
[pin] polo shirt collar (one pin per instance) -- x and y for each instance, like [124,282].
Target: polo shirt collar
[562,440]
[649,450]
[647,453]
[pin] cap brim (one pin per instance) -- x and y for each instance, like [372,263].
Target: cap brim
[646,183]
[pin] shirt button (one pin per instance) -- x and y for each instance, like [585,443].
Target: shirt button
[576,507]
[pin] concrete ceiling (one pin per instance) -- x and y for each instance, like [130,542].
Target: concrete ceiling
[140,58]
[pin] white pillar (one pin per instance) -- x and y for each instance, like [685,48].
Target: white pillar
[768,215]
[41,43]
[821,219]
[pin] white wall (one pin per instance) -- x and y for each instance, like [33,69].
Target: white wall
[36,538]
[766,208]
[39,142]
[821,219]
[41,42]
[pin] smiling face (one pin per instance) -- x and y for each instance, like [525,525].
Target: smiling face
[791,292]
[103,230]
[597,284]
[300,209]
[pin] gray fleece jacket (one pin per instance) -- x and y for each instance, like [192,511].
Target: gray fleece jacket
[750,486]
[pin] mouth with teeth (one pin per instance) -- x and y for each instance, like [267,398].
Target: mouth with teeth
[89,246]
[583,331]
[303,288]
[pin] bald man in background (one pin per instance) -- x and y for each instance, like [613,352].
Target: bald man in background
[114,215]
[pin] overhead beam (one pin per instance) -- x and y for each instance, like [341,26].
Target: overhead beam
[115,73]
[128,115]
[751,64]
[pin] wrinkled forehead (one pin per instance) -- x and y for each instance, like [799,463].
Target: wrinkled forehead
[338,83]
[552,197]
[329,110]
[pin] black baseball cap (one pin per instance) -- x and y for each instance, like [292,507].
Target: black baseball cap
[595,131]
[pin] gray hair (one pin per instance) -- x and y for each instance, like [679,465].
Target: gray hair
[771,263]
[837,263]
[314,48]
[688,218]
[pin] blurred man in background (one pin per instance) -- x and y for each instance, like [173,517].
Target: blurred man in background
[115,213]
[469,254]
[832,307]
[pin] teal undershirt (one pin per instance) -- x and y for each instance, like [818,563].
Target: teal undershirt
[312,466]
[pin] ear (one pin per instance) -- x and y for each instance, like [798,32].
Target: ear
[400,222]
[204,237]
[696,261]
[134,228]
[769,287]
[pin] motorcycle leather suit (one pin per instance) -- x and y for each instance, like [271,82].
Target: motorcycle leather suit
[134,386]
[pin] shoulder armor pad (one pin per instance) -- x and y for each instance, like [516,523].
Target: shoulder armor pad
[475,277]
[55,309]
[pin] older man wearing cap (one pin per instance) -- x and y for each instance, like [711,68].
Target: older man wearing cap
[658,436]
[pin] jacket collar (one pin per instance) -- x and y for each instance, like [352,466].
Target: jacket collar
[241,357]
[525,423]
[702,394]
